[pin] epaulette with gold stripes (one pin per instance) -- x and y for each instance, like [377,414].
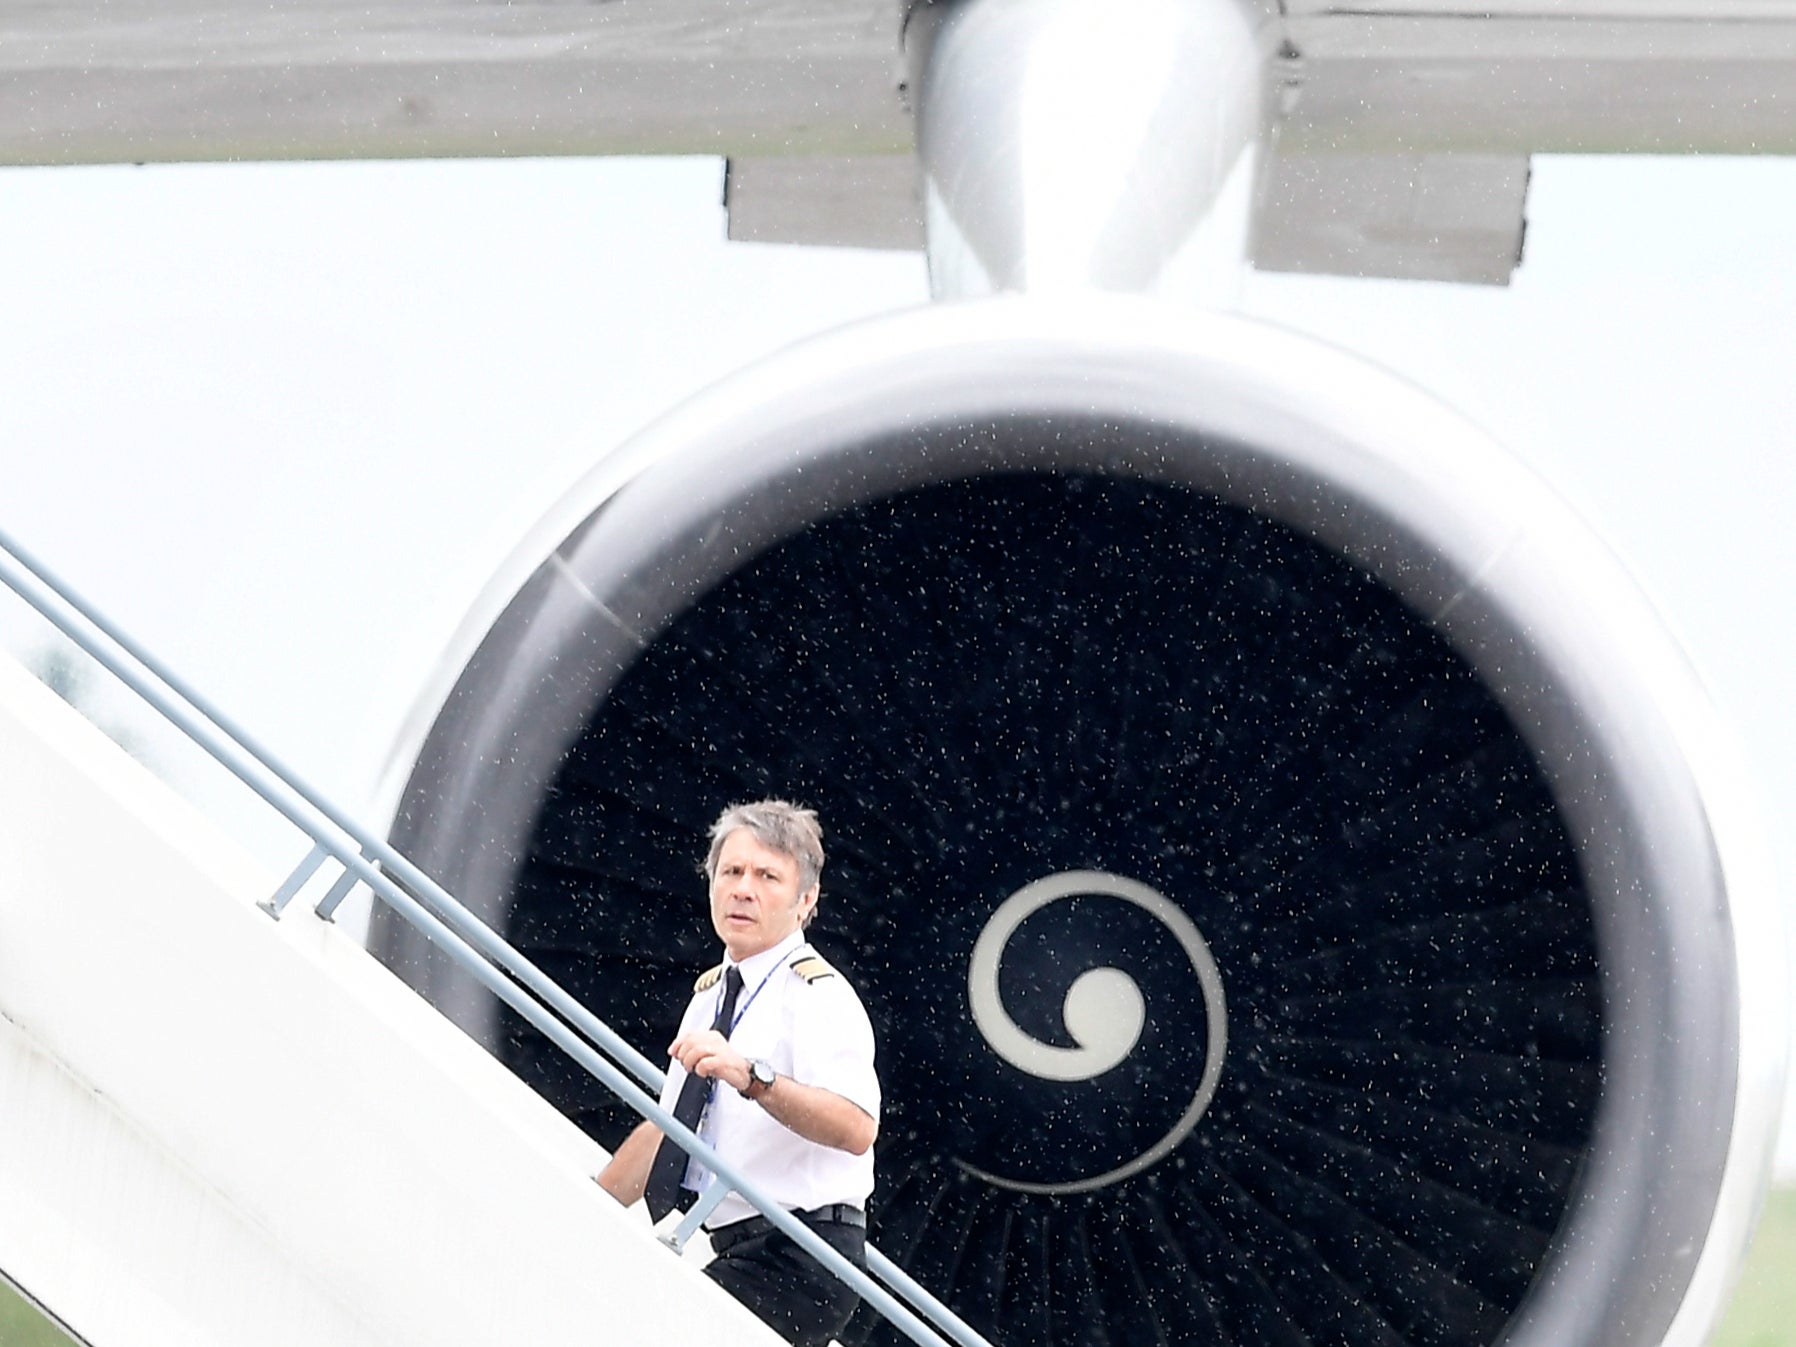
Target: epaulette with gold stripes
[811,968]
[708,979]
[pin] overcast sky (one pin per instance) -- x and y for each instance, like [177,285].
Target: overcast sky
[282,421]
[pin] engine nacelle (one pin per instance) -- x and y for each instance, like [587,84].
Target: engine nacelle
[1294,880]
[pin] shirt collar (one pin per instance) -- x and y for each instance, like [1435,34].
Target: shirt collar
[757,966]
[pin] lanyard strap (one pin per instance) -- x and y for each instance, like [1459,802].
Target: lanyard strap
[765,979]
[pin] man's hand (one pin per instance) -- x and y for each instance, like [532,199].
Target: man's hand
[709,1054]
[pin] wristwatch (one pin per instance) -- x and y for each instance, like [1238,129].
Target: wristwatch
[760,1077]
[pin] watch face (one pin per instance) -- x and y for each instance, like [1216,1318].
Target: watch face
[763,1073]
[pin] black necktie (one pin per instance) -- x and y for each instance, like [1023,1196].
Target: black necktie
[663,1191]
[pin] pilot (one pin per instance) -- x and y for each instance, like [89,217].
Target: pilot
[775,1055]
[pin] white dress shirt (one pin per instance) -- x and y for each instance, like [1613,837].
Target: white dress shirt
[818,1034]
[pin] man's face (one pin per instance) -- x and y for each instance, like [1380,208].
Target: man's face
[755,902]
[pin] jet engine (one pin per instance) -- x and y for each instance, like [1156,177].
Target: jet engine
[1295,885]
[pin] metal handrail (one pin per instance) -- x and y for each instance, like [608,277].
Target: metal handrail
[282,788]
[467,940]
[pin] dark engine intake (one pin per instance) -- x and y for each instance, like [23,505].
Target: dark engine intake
[1258,825]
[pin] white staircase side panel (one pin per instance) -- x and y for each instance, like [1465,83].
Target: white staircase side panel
[219,1129]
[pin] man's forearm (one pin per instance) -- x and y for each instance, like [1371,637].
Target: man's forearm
[819,1115]
[813,1112]
[627,1173]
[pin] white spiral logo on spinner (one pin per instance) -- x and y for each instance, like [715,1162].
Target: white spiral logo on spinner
[1103,1012]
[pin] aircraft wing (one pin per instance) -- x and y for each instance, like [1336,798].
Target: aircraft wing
[1402,139]
[1402,128]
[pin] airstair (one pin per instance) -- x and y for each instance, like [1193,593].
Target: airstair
[223,1122]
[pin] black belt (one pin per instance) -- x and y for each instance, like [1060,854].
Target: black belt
[839,1213]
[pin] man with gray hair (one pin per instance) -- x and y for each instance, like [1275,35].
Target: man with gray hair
[773,1064]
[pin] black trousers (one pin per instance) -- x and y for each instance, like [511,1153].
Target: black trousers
[798,1297]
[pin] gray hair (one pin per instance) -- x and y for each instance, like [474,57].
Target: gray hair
[780,825]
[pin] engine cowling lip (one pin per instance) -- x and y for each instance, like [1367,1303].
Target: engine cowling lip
[1405,488]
